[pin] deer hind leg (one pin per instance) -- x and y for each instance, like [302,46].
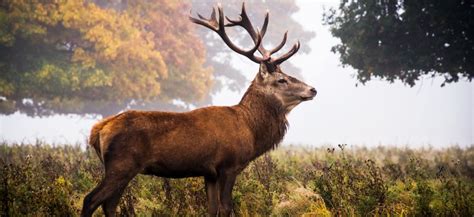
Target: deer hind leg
[109,191]
[110,204]
[118,173]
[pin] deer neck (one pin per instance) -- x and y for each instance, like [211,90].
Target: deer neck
[266,118]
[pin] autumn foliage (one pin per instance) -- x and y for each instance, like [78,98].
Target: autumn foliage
[84,57]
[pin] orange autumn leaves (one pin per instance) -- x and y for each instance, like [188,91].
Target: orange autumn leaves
[81,55]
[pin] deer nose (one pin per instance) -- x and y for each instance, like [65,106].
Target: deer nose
[313,90]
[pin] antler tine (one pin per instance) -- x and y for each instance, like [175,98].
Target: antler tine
[265,24]
[244,22]
[282,43]
[236,22]
[290,53]
[210,23]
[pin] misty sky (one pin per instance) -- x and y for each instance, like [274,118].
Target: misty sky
[377,113]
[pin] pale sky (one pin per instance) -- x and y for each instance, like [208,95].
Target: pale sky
[377,113]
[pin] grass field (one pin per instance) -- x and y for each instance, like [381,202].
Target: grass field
[41,180]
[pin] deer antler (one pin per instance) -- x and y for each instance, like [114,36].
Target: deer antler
[245,23]
[218,26]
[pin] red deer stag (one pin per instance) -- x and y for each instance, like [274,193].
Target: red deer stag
[215,142]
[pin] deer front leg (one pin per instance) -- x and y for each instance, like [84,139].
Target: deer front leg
[226,183]
[212,192]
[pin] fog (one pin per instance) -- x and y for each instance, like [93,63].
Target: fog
[377,113]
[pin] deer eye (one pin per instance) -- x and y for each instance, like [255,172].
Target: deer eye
[282,81]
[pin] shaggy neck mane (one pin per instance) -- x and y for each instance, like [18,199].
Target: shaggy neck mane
[266,117]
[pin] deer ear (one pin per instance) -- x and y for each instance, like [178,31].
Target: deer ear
[263,70]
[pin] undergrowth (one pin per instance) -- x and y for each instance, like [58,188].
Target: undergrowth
[44,180]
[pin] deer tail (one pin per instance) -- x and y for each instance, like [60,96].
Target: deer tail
[94,138]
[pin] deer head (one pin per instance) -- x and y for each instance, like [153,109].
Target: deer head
[270,79]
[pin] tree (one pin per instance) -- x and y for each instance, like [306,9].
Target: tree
[80,57]
[405,40]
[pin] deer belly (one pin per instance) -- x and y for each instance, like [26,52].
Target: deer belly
[178,170]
